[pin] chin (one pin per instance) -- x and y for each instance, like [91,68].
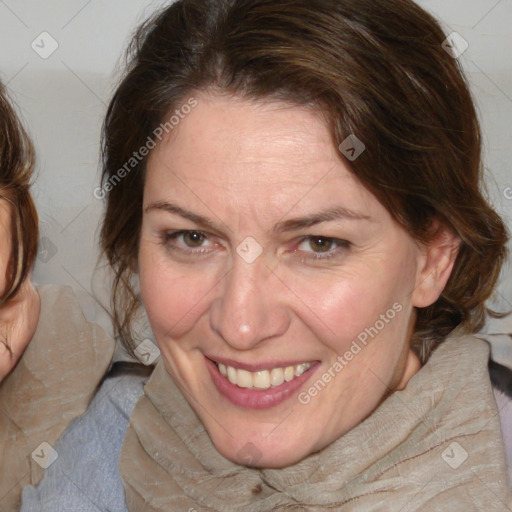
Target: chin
[259,451]
[251,455]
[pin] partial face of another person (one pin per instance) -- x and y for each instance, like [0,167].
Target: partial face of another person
[263,258]
[19,315]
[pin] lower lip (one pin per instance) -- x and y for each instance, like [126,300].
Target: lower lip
[254,398]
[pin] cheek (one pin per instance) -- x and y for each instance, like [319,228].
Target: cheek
[173,298]
[362,302]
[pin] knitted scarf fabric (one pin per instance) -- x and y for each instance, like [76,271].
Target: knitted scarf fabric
[434,446]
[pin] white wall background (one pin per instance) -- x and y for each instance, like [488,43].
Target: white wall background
[63,98]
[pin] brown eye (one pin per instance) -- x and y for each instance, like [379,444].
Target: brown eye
[193,238]
[316,248]
[321,244]
[191,243]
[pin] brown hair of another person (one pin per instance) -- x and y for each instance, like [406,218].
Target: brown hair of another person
[16,169]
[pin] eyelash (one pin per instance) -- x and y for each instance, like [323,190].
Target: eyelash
[340,245]
[171,236]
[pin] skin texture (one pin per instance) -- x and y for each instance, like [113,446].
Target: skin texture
[247,166]
[19,315]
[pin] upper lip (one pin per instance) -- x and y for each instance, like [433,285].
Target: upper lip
[255,367]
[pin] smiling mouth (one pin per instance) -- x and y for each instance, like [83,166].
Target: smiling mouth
[264,379]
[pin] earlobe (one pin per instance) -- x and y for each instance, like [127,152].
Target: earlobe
[436,265]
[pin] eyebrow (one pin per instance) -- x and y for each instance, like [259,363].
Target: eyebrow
[329,215]
[177,210]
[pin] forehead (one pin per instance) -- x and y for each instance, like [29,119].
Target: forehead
[249,131]
[252,154]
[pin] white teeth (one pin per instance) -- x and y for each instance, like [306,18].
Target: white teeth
[263,379]
[244,379]
[276,376]
[300,369]
[289,371]
[232,375]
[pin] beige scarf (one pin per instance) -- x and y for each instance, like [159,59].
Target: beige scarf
[435,446]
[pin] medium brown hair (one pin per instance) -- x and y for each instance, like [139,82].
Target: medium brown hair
[16,169]
[374,69]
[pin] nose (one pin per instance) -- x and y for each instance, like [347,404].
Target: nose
[248,310]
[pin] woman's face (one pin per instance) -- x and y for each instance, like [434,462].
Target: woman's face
[263,258]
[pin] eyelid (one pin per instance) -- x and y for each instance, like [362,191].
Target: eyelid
[168,237]
[341,245]
[173,235]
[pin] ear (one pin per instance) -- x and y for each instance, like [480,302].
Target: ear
[435,265]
